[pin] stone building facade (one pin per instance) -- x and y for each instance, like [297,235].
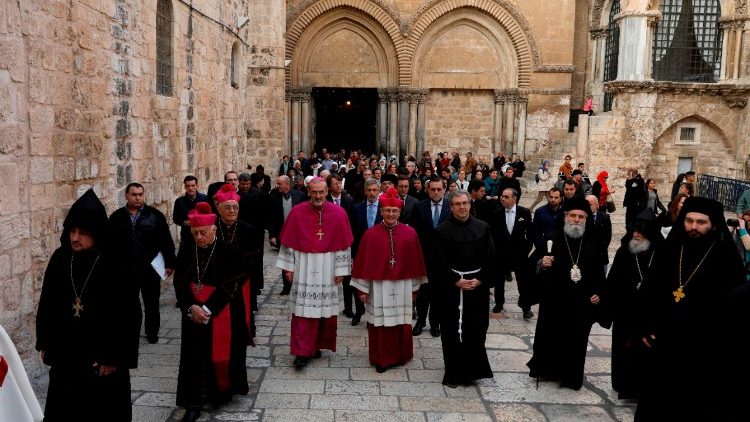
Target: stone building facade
[95,93]
[79,109]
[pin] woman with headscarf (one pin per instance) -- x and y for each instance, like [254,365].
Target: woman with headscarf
[601,190]
[545,182]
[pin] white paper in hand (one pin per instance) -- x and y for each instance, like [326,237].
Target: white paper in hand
[158,266]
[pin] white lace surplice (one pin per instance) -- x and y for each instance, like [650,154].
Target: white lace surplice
[389,303]
[314,292]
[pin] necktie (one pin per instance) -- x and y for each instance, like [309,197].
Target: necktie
[337,201]
[370,215]
[435,214]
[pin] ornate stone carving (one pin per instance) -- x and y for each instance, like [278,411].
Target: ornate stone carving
[735,95]
[547,91]
[382,95]
[596,14]
[298,93]
[556,68]
[736,21]
[740,7]
[300,8]
[596,33]
[650,14]
[421,95]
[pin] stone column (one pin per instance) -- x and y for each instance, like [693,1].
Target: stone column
[382,131]
[510,117]
[295,122]
[392,123]
[523,100]
[305,123]
[634,57]
[737,51]
[421,100]
[287,124]
[411,148]
[497,123]
[404,95]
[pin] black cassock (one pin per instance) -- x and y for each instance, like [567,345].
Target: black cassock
[621,300]
[565,311]
[103,333]
[463,246]
[201,379]
[694,359]
[242,238]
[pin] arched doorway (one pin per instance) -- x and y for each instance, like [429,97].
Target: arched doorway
[345,118]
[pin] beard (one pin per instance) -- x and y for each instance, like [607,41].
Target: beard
[637,246]
[574,230]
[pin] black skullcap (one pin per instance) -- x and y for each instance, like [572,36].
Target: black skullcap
[389,177]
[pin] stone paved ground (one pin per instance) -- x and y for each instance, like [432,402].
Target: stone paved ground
[342,386]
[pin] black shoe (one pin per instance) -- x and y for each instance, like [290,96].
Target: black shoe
[317,354]
[379,369]
[348,313]
[417,330]
[435,331]
[528,314]
[497,309]
[152,339]
[450,385]
[300,362]
[356,318]
[285,292]
[191,415]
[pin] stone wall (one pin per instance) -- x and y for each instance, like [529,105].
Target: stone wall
[78,109]
[460,120]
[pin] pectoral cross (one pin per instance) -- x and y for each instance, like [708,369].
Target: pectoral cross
[678,294]
[198,287]
[393,262]
[320,233]
[77,307]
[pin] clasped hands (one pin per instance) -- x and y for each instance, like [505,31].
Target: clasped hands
[547,261]
[198,315]
[468,284]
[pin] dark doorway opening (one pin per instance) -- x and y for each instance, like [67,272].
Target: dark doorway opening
[345,118]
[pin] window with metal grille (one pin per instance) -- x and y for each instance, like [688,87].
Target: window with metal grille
[164,47]
[687,134]
[687,41]
[611,52]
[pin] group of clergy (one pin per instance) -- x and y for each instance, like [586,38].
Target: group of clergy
[676,305]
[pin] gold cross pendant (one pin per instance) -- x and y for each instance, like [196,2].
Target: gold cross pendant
[198,287]
[678,294]
[77,307]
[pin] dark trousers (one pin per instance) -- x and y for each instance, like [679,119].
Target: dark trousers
[150,285]
[424,299]
[349,294]
[524,294]
[75,392]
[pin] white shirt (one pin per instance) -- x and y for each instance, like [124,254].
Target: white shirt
[510,218]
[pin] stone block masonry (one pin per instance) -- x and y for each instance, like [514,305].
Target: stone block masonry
[79,110]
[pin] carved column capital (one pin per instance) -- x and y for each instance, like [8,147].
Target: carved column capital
[382,95]
[298,93]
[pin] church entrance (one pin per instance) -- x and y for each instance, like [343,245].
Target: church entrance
[345,118]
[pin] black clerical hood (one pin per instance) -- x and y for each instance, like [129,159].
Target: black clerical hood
[87,213]
[213,188]
[645,223]
[712,208]
[577,203]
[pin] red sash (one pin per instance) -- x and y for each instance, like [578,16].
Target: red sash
[248,309]
[221,341]
[3,369]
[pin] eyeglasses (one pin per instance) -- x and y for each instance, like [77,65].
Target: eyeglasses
[229,207]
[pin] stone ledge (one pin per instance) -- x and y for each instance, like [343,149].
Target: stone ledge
[736,95]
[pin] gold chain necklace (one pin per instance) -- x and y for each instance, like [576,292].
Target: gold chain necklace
[77,305]
[390,230]
[679,294]
[638,264]
[575,272]
[198,274]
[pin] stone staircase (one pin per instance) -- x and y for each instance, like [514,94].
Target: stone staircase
[562,143]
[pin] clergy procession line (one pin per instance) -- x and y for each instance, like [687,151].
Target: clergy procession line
[674,305]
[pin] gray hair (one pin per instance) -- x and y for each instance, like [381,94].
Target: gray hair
[457,192]
[369,182]
[512,192]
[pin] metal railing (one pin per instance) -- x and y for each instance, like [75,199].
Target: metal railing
[727,191]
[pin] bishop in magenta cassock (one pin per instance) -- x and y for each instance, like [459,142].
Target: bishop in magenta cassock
[315,256]
[388,271]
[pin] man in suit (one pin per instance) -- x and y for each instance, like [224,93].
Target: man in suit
[254,211]
[281,203]
[480,207]
[511,230]
[366,214]
[338,196]
[426,216]
[509,181]
[402,186]
[601,225]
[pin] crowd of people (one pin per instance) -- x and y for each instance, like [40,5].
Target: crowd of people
[429,240]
